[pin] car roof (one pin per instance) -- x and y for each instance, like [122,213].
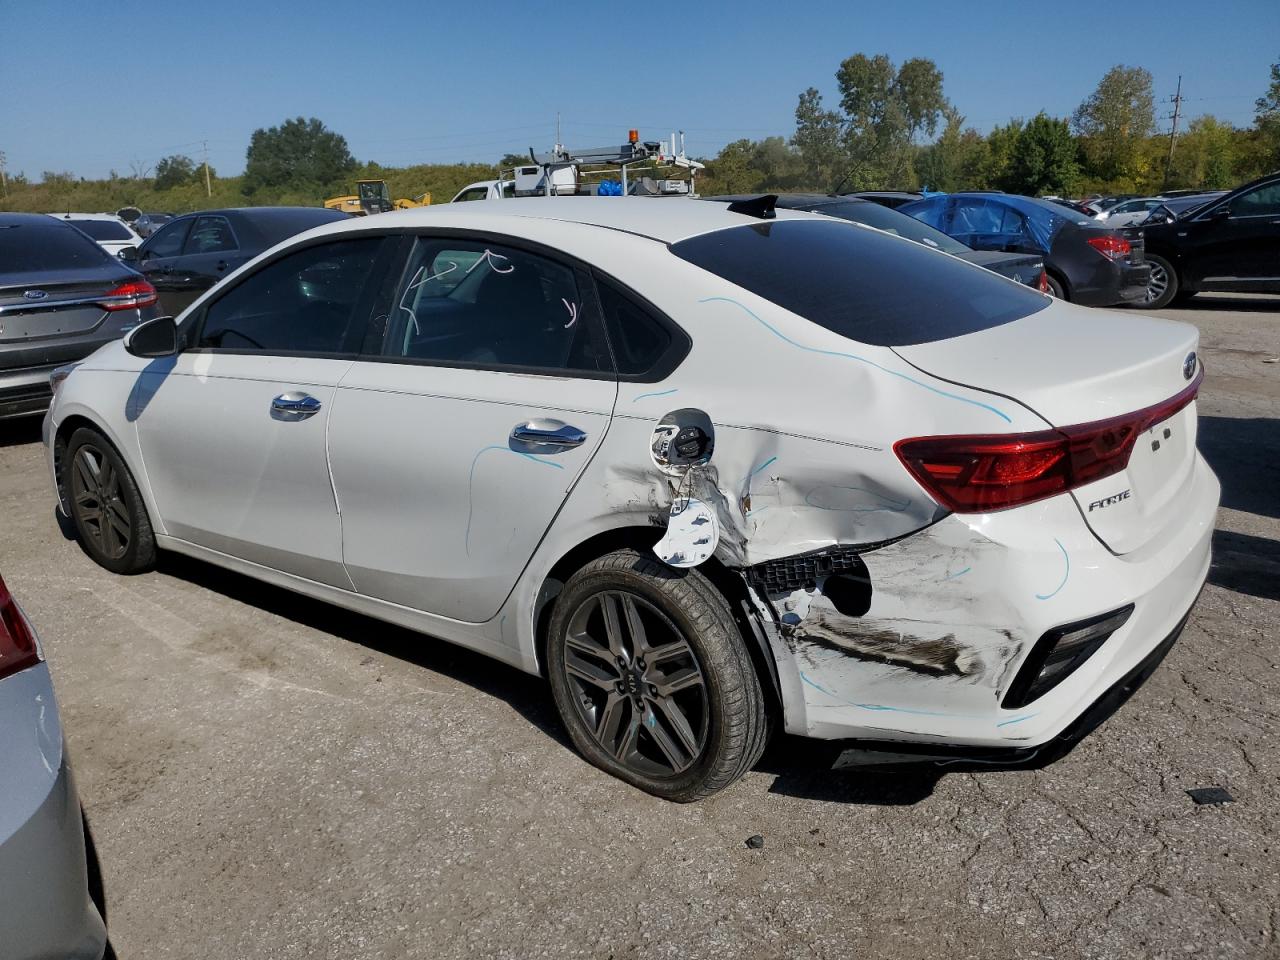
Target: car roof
[792,201]
[73,215]
[667,220]
[30,220]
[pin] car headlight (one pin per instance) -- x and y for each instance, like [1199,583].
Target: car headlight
[58,374]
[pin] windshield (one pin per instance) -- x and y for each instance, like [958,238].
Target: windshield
[102,229]
[859,284]
[891,221]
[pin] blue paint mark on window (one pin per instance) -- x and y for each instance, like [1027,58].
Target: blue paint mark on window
[851,356]
[657,393]
[472,476]
[1065,573]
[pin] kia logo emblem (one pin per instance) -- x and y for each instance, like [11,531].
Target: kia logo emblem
[34,295]
[1189,366]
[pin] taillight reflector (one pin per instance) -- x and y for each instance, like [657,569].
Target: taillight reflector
[17,643]
[129,296]
[978,474]
[1110,246]
[1043,284]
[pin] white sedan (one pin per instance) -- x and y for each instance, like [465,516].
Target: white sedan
[107,230]
[709,469]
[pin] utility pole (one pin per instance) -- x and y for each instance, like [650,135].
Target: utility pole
[1173,133]
[208,187]
[4,179]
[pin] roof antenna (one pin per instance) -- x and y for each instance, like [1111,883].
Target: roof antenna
[836,191]
[759,207]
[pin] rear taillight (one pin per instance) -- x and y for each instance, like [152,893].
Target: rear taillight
[1043,283]
[978,474]
[1110,246]
[17,643]
[129,296]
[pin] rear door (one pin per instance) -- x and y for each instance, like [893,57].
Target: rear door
[233,429]
[455,442]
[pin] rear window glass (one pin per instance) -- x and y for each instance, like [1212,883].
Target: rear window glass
[859,284]
[102,229]
[891,221]
[31,248]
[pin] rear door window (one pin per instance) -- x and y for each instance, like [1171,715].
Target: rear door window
[860,284]
[210,235]
[467,303]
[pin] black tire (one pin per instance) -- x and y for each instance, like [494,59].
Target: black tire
[1055,287]
[110,518]
[1163,286]
[653,743]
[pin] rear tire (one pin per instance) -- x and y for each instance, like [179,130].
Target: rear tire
[107,509]
[1056,290]
[1162,288]
[652,679]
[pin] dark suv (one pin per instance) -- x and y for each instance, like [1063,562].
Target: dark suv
[61,297]
[1228,244]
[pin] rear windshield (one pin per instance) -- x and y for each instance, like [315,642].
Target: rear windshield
[102,229]
[891,221]
[860,284]
[282,224]
[32,248]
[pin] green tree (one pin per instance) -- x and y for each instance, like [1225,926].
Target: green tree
[957,160]
[754,166]
[298,157]
[1205,156]
[1114,124]
[173,171]
[817,137]
[1044,158]
[1267,115]
[1001,144]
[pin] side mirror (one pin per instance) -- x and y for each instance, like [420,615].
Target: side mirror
[1220,213]
[129,254]
[155,338]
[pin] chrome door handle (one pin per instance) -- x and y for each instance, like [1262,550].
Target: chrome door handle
[294,405]
[545,432]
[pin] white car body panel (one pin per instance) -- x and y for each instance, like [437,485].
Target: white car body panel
[444,530]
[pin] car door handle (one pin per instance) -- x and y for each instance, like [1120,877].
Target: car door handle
[294,405]
[222,265]
[545,432]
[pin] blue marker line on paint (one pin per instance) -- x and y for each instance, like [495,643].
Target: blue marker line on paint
[658,393]
[880,707]
[851,356]
[472,476]
[891,505]
[761,467]
[1065,573]
[1025,716]
[952,576]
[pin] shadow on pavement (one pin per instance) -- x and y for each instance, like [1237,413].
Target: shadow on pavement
[526,694]
[20,430]
[1246,564]
[1251,303]
[802,769]
[1244,452]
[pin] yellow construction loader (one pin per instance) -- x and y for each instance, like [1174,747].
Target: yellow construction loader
[371,196]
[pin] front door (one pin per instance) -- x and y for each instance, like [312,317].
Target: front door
[232,430]
[1239,250]
[454,448]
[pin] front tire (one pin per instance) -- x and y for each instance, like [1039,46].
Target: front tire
[652,679]
[1163,285]
[107,509]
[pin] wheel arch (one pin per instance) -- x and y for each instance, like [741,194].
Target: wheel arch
[728,581]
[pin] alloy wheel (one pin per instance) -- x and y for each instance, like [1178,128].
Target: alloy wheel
[1157,284]
[636,683]
[98,504]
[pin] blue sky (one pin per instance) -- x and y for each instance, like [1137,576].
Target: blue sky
[419,82]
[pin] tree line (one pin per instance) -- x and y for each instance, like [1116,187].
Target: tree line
[893,128]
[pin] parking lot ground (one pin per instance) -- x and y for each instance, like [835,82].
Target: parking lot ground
[269,777]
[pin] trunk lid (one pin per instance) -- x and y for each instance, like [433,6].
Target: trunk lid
[1076,366]
[60,309]
[1022,267]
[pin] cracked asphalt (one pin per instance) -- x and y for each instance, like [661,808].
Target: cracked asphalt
[268,777]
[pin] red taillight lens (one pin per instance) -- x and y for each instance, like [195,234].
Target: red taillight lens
[977,474]
[1110,246]
[17,642]
[1044,282]
[129,296]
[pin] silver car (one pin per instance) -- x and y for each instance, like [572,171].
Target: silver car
[48,908]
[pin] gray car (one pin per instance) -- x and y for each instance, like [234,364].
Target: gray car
[49,908]
[61,297]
